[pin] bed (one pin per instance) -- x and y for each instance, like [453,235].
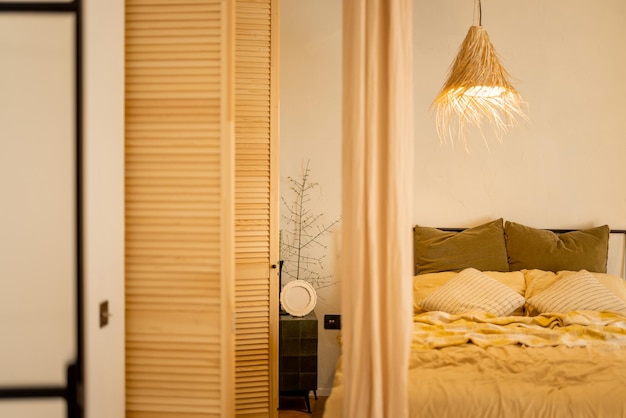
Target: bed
[514,321]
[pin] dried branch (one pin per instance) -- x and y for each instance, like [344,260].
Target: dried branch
[304,233]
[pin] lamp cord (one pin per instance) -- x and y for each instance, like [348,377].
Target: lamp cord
[480,12]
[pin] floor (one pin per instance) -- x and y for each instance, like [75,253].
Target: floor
[294,407]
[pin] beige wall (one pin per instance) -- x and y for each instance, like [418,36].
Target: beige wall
[561,169]
[310,113]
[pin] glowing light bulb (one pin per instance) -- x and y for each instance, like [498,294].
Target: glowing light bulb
[485,91]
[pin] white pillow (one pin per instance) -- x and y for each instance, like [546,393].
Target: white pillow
[472,290]
[577,291]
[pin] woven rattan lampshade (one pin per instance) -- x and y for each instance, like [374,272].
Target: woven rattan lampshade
[476,92]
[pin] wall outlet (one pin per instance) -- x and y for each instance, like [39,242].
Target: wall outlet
[332,321]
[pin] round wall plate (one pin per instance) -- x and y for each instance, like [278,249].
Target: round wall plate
[298,298]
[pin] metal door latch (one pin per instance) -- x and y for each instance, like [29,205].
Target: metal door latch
[104,313]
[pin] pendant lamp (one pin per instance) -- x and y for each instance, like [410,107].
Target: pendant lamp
[477,91]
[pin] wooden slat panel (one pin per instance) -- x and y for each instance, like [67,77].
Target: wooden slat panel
[178,209]
[255,225]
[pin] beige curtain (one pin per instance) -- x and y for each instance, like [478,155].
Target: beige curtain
[377,177]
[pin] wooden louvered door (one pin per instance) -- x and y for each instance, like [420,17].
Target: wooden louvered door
[201,208]
[179,209]
[256,211]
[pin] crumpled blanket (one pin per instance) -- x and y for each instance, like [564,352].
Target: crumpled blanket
[574,329]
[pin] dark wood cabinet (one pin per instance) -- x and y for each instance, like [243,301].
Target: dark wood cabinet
[298,356]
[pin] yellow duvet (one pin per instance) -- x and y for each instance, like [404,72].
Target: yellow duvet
[476,365]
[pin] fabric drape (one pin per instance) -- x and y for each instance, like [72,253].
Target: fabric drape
[377,177]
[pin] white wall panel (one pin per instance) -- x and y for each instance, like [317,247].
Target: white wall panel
[38,408]
[38,210]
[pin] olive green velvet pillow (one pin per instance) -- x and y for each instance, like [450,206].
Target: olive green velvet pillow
[481,247]
[531,248]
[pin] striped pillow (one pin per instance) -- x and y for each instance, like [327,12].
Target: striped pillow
[577,291]
[472,290]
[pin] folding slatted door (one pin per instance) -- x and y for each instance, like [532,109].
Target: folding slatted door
[256,211]
[201,205]
[179,208]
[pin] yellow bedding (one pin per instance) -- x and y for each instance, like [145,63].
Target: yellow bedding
[575,329]
[476,365]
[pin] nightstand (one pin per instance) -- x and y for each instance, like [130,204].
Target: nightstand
[298,356]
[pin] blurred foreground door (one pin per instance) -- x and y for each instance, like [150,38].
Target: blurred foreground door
[40,219]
